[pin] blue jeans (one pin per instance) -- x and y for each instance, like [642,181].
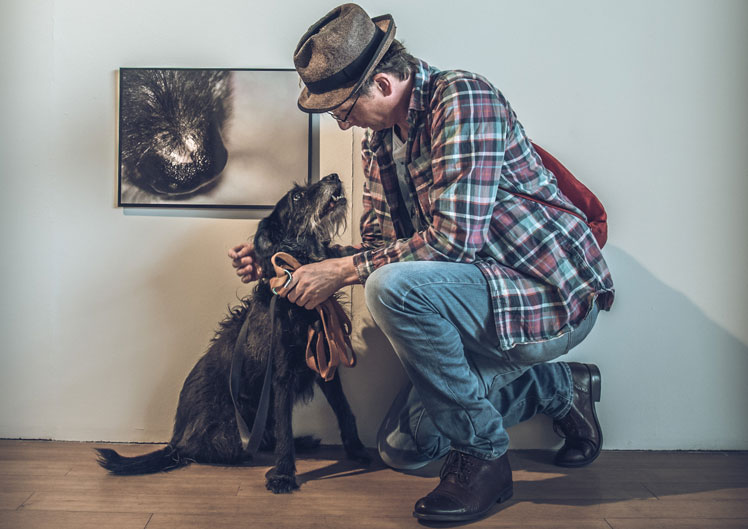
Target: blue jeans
[464,390]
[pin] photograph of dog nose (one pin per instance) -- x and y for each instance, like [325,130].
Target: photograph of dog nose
[207,138]
[297,265]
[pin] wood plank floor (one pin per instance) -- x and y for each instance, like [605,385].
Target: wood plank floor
[59,485]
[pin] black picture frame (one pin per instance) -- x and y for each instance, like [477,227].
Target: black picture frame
[229,138]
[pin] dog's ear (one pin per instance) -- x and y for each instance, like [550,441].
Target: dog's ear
[267,237]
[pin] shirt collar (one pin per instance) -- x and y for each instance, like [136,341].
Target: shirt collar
[419,95]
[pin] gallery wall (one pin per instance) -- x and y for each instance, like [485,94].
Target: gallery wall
[105,310]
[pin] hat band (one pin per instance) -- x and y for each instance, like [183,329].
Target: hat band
[352,72]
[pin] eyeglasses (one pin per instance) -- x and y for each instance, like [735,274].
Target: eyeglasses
[344,119]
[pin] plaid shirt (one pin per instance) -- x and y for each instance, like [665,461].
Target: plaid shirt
[466,151]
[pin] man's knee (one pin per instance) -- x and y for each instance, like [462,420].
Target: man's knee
[384,287]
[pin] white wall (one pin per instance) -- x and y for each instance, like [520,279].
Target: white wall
[104,311]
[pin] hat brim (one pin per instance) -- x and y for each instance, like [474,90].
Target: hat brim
[317,103]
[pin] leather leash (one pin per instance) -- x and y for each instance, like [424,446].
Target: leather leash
[335,339]
[336,327]
[251,440]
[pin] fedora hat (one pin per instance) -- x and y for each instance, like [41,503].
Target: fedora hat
[337,54]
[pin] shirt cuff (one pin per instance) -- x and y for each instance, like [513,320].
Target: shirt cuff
[364,267]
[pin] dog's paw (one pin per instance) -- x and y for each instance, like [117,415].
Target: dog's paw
[280,483]
[359,454]
[306,444]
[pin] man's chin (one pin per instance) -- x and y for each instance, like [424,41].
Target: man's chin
[377,128]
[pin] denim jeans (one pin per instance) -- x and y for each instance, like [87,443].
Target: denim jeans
[464,391]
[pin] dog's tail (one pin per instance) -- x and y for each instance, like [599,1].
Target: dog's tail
[167,458]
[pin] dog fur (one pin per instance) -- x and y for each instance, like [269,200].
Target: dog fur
[205,431]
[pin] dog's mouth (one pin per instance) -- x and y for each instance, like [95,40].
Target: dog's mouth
[336,199]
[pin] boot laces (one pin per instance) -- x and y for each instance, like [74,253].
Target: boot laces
[458,464]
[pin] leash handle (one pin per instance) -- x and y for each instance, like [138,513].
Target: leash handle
[330,347]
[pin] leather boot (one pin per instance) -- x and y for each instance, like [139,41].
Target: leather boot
[469,487]
[580,427]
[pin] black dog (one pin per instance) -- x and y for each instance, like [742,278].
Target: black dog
[171,131]
[205,430]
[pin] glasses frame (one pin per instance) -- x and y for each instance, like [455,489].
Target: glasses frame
[344,119]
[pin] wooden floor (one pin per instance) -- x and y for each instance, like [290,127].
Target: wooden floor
[59,485]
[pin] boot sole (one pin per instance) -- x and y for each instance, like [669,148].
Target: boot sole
[595,394]
[504,496]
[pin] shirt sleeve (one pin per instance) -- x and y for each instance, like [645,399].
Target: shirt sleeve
[468,137]
[371,230]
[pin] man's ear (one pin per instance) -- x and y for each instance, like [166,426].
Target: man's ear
[383,82]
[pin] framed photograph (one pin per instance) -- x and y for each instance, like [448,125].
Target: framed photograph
[215,138]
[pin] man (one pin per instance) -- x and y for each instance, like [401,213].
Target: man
[475,287]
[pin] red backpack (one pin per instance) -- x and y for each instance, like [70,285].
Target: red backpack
[578,193]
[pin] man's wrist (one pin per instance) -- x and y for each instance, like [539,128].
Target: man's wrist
[347,271]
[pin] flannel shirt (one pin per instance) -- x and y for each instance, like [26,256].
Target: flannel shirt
[466,152]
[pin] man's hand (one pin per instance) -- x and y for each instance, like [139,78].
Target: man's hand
[315,282]
[243,258]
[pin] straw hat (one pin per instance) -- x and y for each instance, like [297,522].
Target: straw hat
[338,53]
